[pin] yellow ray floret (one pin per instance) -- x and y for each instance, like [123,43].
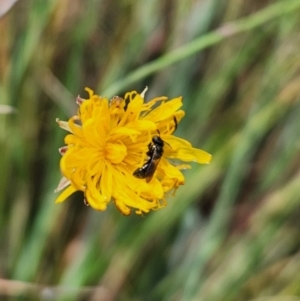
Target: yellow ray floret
[109,141]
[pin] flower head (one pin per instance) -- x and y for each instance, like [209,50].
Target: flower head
[112,153]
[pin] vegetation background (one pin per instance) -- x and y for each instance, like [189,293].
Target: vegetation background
[233,231]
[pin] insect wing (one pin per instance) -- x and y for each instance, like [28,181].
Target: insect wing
[151,169]
[141,172]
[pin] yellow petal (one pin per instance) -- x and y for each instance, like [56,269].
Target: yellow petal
[124,192]
[142,125]
[118,132]
[170,170]
[75,128]
[115,152]
[133,109]
[175,142]
[106,181]
[78,179]
[165,110]
[65,194]
[122,207]
[95,164]
[96,200]
[93,134]
[90,91]
[190,154]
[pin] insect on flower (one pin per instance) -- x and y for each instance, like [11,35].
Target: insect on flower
[105,148]
[155,152]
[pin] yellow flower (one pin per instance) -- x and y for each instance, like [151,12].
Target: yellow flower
[110,141]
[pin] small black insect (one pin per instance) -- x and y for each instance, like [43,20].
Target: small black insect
[155,152]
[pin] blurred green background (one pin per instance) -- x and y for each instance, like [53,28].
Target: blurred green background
[233,230]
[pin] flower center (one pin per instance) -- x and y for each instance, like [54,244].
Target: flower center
[115,152]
